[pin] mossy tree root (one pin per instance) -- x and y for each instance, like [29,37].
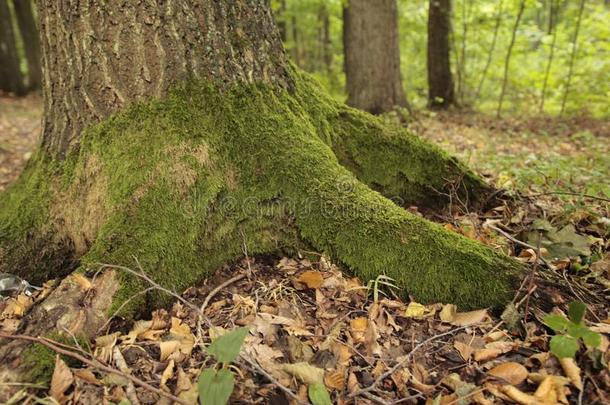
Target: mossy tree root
[182,184]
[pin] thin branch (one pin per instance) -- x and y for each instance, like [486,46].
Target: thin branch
[517,241]
[552,26]
[272,379]
[569,193]
[492,47]
[219,288]
[508,55]
[95,364]
[572,57]
[401,363]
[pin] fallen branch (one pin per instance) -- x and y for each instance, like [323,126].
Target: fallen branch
[401,363]
[95,364]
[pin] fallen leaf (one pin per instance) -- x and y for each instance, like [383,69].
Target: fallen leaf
[572,371]
[62,380]
[305,372]
[358,328]
[511,372]
[312,279]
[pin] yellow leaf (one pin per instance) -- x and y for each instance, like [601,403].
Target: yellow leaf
[167,348]
[511,372]
[305,372]
[415,310]
[464,349]
[358,328]
[572,371]
[312,279]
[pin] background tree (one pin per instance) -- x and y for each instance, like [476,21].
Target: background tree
[29,35]
[11,79]
[440,80]
[372,55]
[574,49]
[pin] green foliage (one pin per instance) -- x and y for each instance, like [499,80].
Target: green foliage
[216,386]
[226,348]
[473,25]
[374,286]
[569,331]
[318,394]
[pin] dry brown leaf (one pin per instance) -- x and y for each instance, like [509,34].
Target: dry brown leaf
[62,380]
[87,375]
[486,354]
[358,328]
[450,315]
[511,372]
[352,383]
[167,348]
[465,350]
[312,279]
[335,380]
[519,396]
[546,391]
[572,371]
[104,346]
[84,283]
[167,374]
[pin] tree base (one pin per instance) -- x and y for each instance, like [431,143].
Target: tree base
[187,183]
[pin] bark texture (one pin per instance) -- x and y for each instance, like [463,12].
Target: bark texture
[131,52]
[31,43]
[440,81]
[372,55]
[11,79]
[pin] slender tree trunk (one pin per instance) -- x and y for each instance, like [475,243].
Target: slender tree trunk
[461,85]
[372,55]
[297,53]
[325,39]
[440,80]
[566,90]
[552,30]
[31,44]
[281,21]
[508,55]
[11,79]
[492,48]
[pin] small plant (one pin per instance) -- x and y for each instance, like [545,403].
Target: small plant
[570,331]
[375,285]
[216,385]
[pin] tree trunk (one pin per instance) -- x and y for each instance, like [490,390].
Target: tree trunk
[31,44]
[11,79]
[440,81]
[372,56]
[190,135]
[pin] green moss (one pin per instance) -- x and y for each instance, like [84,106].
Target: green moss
[189,179]
[38,363]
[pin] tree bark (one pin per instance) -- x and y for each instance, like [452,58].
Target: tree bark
[11,79]
[188,136]
[372,55]
[31,44]
[149,50]
[440,81]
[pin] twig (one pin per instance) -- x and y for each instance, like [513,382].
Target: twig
[404,361]
[96,364]
[271,378]
[518,242]
[152,282]
[120,308]
[593,197]
[218,288]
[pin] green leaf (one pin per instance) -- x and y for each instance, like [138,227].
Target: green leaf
[564,346]
[558,323]
[226,347]
[592,339]
[576,311]
[215,387]
[318,394]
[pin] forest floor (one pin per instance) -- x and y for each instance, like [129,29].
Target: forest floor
[310,323]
